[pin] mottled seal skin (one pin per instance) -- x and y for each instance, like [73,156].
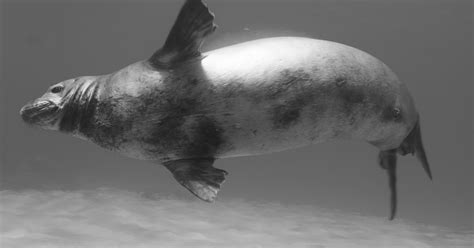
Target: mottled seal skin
[232,104]
[185,109]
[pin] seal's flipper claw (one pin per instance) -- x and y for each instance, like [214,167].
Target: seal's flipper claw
[388,161]
[195,21]
[198,176]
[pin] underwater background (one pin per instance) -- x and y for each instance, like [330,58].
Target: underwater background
[60,191]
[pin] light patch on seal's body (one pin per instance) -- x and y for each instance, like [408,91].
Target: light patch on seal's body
[283,92]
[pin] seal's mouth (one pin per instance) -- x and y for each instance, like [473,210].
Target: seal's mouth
[40,113]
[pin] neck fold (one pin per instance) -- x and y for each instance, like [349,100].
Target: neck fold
[80,104]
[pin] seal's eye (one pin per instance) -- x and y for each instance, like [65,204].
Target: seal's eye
[57,89]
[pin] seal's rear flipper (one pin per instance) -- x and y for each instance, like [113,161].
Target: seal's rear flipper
[414,145]
[388,161]
[198,176]
[193,24]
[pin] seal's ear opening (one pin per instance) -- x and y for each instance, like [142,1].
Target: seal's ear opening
[413,144]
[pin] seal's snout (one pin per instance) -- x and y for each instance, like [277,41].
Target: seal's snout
[24,109]
[28,111]
[38,112]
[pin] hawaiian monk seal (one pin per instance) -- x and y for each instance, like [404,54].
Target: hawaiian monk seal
[184,109]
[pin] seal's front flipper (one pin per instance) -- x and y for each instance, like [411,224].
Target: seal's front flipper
[388,161]
[193,24]
[198,176]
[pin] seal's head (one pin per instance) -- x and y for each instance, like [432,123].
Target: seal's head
[48,110]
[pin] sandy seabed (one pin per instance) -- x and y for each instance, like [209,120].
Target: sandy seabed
[114,218]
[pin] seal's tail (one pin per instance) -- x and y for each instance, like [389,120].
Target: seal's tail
[388,160]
